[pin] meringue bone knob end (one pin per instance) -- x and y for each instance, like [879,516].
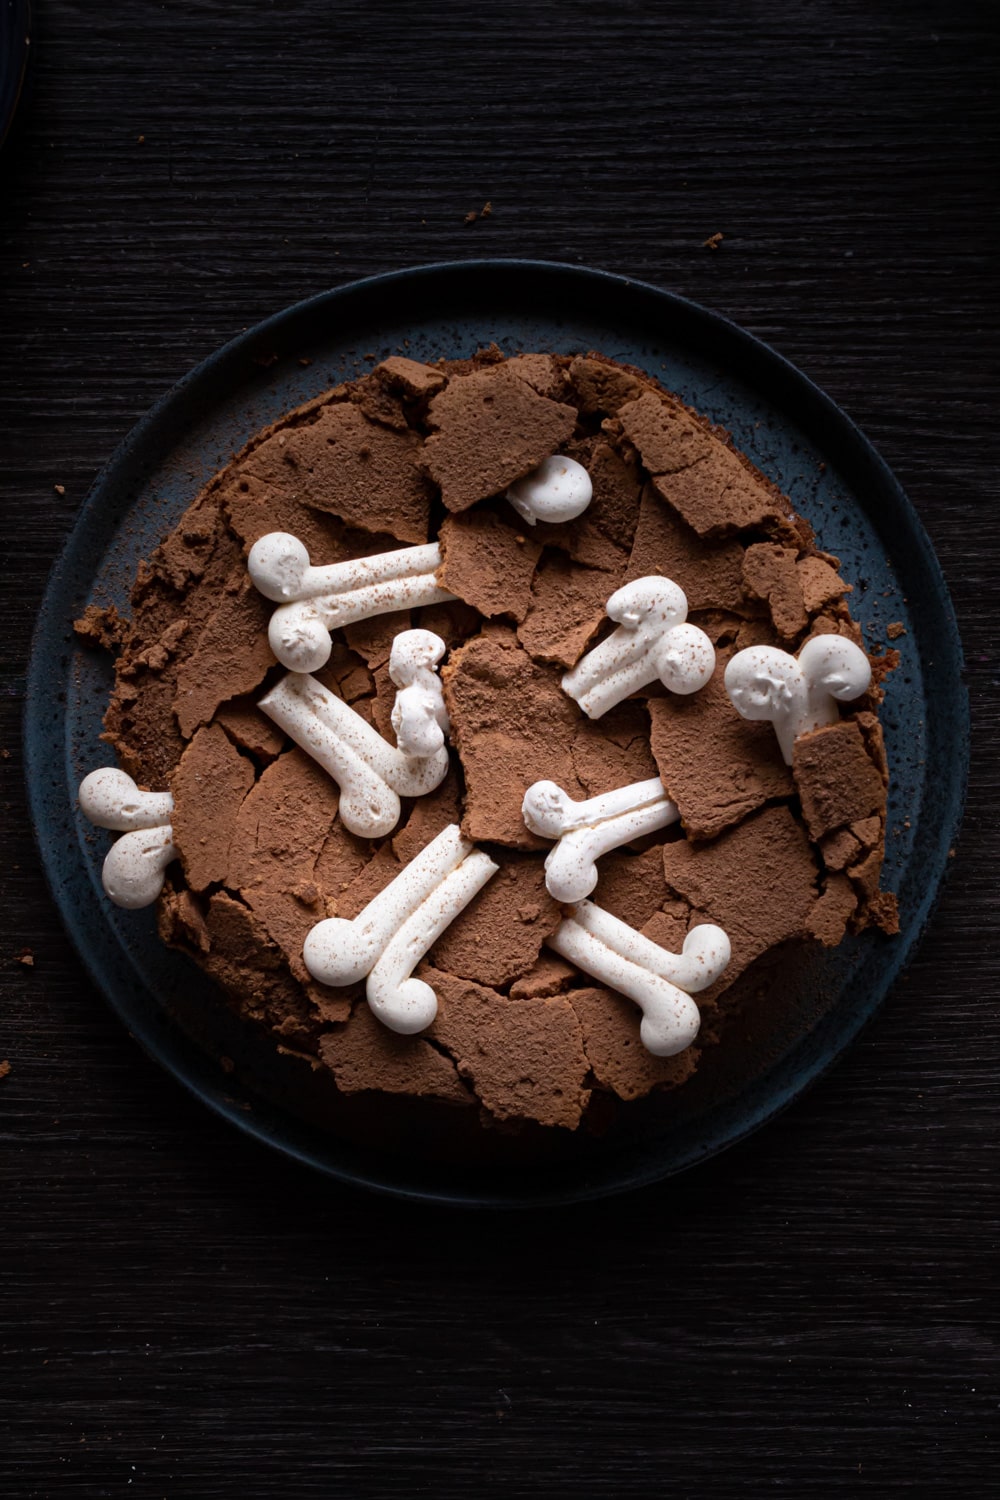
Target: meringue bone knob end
[299,638]
[134,869]
[800,694]
[279,565]
[558,490]
[685,659]
[665,1032]
[110,799]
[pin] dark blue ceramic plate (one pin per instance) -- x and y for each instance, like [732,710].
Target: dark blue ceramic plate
[792,432]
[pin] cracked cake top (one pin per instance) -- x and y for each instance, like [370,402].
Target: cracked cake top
[773,852]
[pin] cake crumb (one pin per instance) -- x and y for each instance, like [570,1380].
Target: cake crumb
[713,242]
[60,489]
[4,1068]
[895,629]
[25,957]
[99,627]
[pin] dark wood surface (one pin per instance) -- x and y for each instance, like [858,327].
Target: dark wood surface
[815,1313]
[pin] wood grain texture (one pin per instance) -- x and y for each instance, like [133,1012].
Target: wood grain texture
[815,1313]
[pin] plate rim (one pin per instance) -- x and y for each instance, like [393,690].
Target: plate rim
[785,384]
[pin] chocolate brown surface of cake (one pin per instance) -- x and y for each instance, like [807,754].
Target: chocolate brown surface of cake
[775,854]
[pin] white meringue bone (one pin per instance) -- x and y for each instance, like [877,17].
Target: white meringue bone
[797,695]
[110,799]
[585,830]
[558,490]
[397,927]
[372,774]
[338,594]
[660,983]
[652,641]
[705,952]
[132,874]
[399,1001]
[419,717]
[339,951]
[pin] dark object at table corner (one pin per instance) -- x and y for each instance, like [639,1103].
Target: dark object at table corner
[547,288]
[15,49]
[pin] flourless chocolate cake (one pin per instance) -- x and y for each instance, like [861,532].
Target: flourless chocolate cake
[775,850]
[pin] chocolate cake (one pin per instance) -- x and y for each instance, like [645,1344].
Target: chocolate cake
[774,853]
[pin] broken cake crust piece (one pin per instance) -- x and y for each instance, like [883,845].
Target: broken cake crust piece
[838,781]
[524,1058]
[712,487]
[617,1058]
[711,574]
[231,655]
[512,725]
[366,1056]
[249,729]
[567,609]
[758,881]
[488,562]
[277,839]
[209,784]
[716,766]
[632,886]
[488,429]
[410,377]
[601,386]
[364,473]
[770,573]
[499,935]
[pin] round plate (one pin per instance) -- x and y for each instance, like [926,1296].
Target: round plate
[790,429]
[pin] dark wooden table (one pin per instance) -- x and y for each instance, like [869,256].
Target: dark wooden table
[814,1314]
